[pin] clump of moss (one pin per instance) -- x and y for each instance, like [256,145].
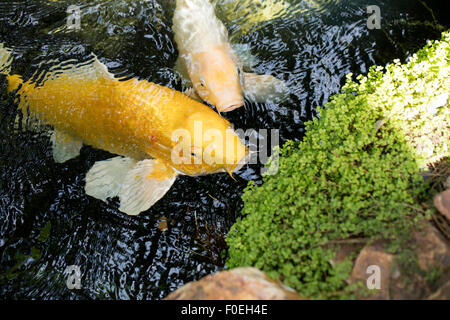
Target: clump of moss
[356,174]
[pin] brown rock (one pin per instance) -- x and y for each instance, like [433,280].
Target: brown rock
[447,183]
[406,287]
[373,261]
[432,251]
[443,293]
[432,248]
[347,250]
[442,203]
[237,284]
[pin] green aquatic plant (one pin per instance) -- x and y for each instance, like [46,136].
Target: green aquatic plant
[355,176]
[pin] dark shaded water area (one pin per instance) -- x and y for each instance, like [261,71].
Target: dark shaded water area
[47,222]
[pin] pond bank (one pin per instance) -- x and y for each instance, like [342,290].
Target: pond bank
[355,178]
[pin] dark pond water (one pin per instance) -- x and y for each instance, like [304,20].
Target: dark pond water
[48,223]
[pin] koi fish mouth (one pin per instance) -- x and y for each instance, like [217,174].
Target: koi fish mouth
[245,160]
[231,106]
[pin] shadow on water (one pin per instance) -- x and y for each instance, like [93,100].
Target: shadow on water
[46,220]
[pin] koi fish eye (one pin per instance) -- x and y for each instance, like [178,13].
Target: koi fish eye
[202,83]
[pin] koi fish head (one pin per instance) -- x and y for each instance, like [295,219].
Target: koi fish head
[216,78]
[210,144]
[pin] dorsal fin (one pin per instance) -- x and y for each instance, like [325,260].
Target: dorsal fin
[100,68]
[90,69]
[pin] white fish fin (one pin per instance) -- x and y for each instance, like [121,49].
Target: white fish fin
[91,69]
[65,146]
[264,88]
[191,93]
[144,185]
[244,53]
[5,59]
[104,180]
[100,68]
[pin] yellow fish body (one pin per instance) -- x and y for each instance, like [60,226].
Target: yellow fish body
[135,119]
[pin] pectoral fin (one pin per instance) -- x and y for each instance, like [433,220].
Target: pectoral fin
[138,185]
[144,185]
[264,88]
[104,180]
[191,93]
[65,147]
[244,53]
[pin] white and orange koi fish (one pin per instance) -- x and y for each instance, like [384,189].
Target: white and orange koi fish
[213,67]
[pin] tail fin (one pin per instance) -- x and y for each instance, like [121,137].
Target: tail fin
[6,59]
[14,81]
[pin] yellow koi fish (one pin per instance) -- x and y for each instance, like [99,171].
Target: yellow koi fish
[158,132]
[213,67]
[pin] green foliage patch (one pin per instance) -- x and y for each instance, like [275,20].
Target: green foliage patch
[355,175]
